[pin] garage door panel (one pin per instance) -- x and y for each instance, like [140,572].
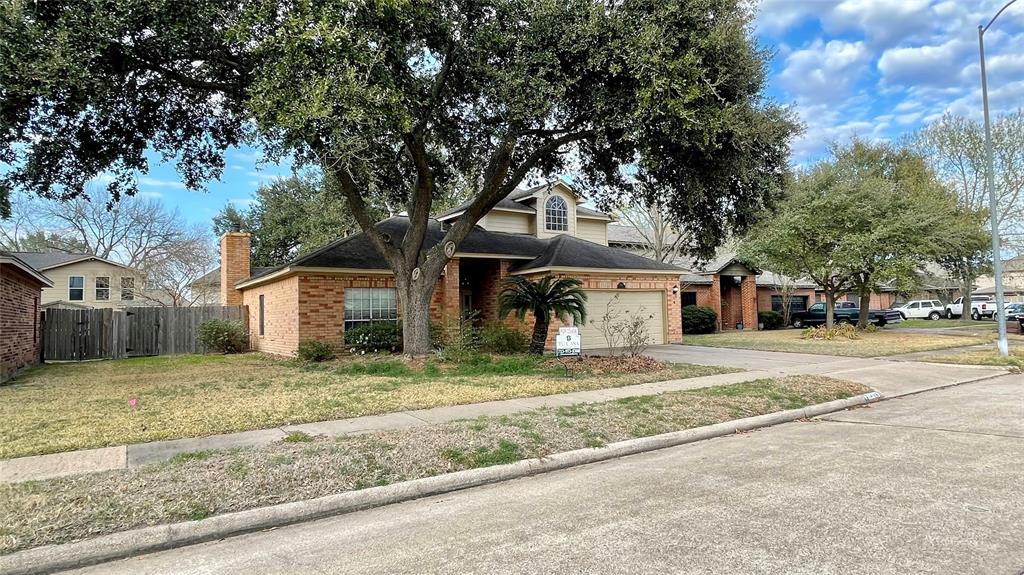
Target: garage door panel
[649,303]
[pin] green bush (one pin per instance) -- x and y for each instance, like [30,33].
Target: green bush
[770,319]
[313,350]
[500,338]
[383,336]
[223,336]
[699,319]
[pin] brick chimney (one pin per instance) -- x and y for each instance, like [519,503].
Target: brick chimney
[234,265]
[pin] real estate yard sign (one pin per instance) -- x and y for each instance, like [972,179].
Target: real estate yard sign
[567,342]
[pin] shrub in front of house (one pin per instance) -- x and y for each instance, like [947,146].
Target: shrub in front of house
[769,319]
[223,336]
[502,339]
[699,319]
[313,350]
[376,337]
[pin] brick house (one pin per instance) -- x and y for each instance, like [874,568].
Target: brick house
[20,294]
[532,233]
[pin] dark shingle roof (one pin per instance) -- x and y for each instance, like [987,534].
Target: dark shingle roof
[45,260]
[569,252]
[213,276]
[504,203]
[510,202]
[357,252]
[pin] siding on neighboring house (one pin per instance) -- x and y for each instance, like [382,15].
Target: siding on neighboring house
[592,230]
[570,202]
[19,321]
[90,270]
[510,222]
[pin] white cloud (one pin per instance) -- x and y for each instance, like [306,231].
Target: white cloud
[243,202]
[883,22]
[924,65]
[158,183]
[153,195]
[822,71]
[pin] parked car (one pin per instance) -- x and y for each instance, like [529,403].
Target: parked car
[844,312]
[921,309]
[1014,311]
[955,308]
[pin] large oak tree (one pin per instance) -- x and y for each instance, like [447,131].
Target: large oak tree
[403,98]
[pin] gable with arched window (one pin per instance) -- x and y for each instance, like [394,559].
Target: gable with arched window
[556,214]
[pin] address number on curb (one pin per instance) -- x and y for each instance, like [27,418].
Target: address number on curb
[872,396]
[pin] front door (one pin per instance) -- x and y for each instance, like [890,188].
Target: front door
[466,305]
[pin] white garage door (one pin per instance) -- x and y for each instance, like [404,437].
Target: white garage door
[648,303]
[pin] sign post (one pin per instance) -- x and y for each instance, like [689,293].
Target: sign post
[567,345]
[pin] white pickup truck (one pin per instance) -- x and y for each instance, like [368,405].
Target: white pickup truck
[981,306]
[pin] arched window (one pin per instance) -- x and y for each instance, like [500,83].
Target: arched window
[556,214]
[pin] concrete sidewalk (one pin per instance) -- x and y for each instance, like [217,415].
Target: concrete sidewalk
[890,378]
[128,456]
[926,484]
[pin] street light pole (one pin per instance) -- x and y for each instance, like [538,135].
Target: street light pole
[990,181]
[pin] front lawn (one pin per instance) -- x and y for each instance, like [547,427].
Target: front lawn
[62,407]
[870,344]
[983,357]
[953,323]
[197,485]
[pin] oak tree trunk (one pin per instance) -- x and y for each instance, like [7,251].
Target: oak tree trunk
[865,304]
[830,305]
[414,304]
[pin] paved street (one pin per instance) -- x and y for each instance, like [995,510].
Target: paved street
[932,483]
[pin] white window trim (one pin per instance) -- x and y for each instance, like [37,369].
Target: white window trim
[96,288]
[355,322]
[76,288]
[548,208]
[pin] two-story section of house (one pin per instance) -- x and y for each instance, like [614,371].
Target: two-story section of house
[532,232]
[85,280]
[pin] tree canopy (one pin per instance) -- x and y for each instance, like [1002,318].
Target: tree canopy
[289,217]
[402,100]
[871,215]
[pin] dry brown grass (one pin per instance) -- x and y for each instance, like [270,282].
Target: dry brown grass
[869,344]
[197,485]
[65,407]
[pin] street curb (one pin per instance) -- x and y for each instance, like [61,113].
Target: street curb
[52,558]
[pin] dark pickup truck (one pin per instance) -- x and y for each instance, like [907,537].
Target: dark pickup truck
[845,312]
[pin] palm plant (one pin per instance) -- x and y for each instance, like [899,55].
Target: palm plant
[546,298]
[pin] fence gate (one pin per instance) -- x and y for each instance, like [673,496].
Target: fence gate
[81,334]
[143,331]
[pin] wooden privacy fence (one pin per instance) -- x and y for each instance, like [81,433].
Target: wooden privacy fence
[81,334]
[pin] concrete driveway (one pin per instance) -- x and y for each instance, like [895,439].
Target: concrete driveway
[932,483]
[886,375]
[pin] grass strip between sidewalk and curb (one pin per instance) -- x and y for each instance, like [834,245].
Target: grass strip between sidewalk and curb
[58,408]
[232,492]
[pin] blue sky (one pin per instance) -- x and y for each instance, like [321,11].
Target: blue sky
[874,68]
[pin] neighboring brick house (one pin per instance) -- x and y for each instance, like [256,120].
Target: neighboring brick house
[20,294]
[534,232]
[736,291]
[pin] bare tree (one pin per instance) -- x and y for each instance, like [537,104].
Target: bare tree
[785,287]
[131,231]
[141,233]
[955,148]
[170,278]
